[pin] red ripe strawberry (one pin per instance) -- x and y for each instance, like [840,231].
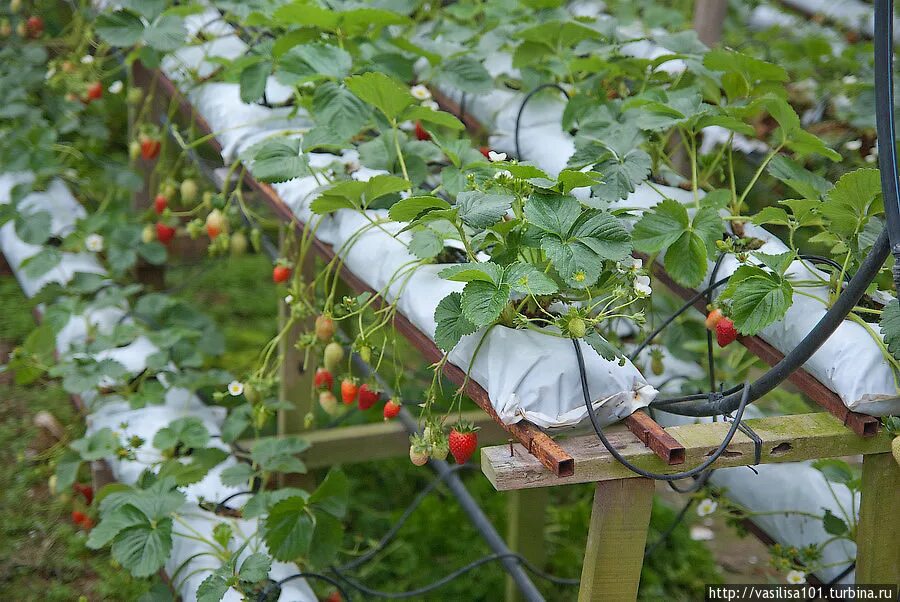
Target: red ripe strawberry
[34,26]
[323,379]
[87,524]
[160,203]
[324,328]
[86,490]
[349,390]
[150,148]
[334,597]
[95,91]
[463,441]
[391,409]
[713,318]
[725,332]
[484,151]
[164,233]
[421,134]
[280,273]
[78,517]
[367,397]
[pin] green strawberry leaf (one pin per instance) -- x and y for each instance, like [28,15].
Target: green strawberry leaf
[452,325]
[482,301]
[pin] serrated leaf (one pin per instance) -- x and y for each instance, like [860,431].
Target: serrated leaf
[890,327]
[289,529]
[452,325]
[486,271]
[121,28]
[278,161]
[480,210]
[339,108]
[466,74]
[603,347]
[237,474]
[311,62]
[758,298]
[482,301]
[331,496]
[189,432]
[685,259]
[406,210]
[441,118]
[255,567]
[805,182]
[253,81]
[851,202]
[426,243]
[143,549]
[34,228]
[528,279]
[166,33]
[835,471]
[382,92]
[834,525]
[621,175]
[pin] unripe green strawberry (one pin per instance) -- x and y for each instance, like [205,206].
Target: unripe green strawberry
[14,6]
[334,355]
[440,449]
[329,402]
[238,243]
[895,449]
[134,150]
[5,28]
[251,394]
[656,362]
[148,234]
[134,96]
[189,190]
[418,451]
[577,328]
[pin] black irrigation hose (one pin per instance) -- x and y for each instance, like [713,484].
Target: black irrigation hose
[522,110]
[636,469]
[884,124]
[331,580]
[842,574]
[449,577]
[679,518]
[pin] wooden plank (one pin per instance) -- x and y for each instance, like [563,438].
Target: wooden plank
[877,548]
[655,437]
[379,440]
[785,439]
[617,534]
[861,424]
[526,515]
[541,444]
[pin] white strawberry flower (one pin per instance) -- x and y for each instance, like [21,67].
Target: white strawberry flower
[642,286]
[871,158]
[420,92]
[407,126]
[853,145]
[288,299]
[87,59]
[116,87]
[235,388]
[494,156]
[50,73]
[503,173]
[849,80]
[706,507]
[796,577]
[93,243]
[430,104]
[405,194]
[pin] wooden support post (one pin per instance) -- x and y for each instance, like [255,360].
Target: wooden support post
[877,549]
[709,18]
[617,535]
[526,513]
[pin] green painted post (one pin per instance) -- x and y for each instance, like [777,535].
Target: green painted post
[526,512]
[877,546]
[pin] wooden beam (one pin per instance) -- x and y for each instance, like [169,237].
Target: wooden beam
[861,424]
[785,439]
[655,437]
[877,548]
[376,441]
[709,18]
[617,534]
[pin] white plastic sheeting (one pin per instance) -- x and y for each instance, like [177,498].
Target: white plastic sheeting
[147,421]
